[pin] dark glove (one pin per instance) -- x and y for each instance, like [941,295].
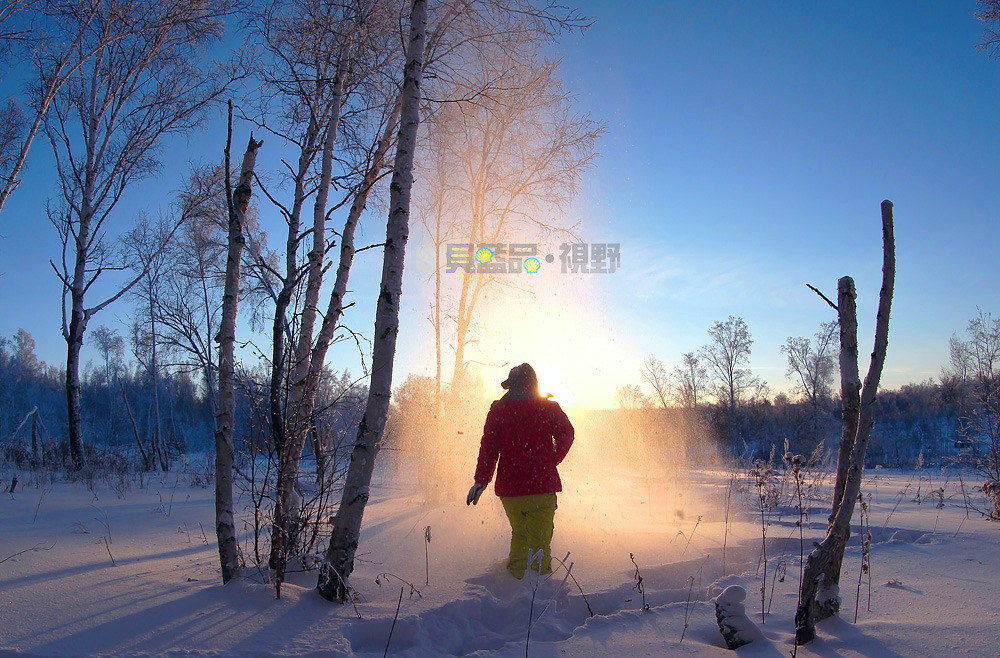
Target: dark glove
[474,493]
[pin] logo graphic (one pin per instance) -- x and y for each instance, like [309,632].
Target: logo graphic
[515,258]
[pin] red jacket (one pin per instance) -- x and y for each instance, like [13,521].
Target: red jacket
[530,437]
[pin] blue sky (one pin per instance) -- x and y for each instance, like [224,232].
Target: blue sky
[748,147]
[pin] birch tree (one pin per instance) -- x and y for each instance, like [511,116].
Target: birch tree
[518,159]
[105,126]
[111,347]
[459,30]
[146,244]
[975,363]
[339,55]
[61,36]
[189,300]
[190,303]
[303,76]
[436,204]
[339,563]
[819,593]
[727,357]
[238,201]
[654,374]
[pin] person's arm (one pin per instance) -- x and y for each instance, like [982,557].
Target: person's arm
[562,432]
[489,448]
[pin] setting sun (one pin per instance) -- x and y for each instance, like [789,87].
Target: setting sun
[552,383]
[558,337]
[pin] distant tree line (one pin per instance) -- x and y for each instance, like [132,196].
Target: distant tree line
[130,409]
[729,412]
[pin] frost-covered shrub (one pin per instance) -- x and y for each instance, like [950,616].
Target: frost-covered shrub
[992,490]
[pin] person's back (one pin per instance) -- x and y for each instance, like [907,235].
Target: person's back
[525,438]
[531,437]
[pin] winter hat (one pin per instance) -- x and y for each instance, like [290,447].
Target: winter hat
[522,376]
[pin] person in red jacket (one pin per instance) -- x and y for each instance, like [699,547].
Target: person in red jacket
[529,435]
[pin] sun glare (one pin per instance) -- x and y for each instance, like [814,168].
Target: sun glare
[558,324]
[552,383]
[575,354]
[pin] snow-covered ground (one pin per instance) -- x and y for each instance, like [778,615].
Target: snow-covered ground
[934,575]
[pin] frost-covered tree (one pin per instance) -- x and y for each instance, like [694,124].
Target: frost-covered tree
[690,379]
[975,362]
[813,364]
[727,357]
[140,80]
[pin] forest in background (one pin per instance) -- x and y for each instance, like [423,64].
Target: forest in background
[935,422]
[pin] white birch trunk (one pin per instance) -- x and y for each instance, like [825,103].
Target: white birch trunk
[296,429]
[335,307]
[819,590]
[280,326]
[339,561]
[225,527]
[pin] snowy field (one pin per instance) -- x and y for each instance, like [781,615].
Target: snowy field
[933,580]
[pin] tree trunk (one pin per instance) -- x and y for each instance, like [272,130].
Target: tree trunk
[335,306]
[147,464]
[35,451]
[239,200]
[158,451]
[275,405]
[339,562]
[850,386]
[297,426]
[819,595]
[74,342]
[280,328]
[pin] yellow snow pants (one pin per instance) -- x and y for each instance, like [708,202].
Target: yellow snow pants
[531,524]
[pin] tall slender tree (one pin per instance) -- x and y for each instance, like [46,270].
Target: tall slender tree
[238,201]
[690,378]
[105,126]
[727,357]
[459,30]
[339,562]
[654,374]
[341,51]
